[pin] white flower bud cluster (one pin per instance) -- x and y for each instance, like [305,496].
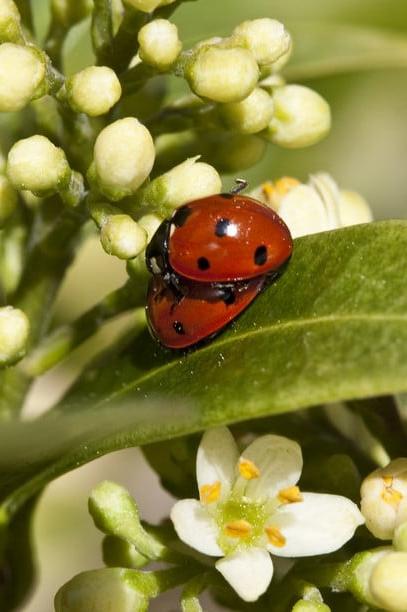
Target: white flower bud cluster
[316,206]
[14,332]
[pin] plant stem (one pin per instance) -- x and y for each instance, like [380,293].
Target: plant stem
[102,30]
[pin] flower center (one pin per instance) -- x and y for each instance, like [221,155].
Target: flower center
[241,523]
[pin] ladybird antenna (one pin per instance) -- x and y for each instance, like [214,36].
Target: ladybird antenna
[240,185]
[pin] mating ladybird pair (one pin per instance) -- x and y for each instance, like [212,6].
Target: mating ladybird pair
[209,261]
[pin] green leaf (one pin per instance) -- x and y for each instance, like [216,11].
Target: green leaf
[324,49]
[333,327]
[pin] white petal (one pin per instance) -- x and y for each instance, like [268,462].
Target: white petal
[279,461]
[319,524]
[303,211]
[249,572]
[196,527]
[216,459]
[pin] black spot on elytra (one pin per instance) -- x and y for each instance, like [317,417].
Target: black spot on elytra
[181,215]
[260,255]
[221,228]
[229,297]
[203,263]
[179,328]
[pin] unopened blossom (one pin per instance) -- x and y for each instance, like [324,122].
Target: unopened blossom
[251,115]
[14,332]
[384,499]
[266,38]
[94,90]
[22,76]
[251,505]
[159,43]
[301,117]
[122,237]
[316,206]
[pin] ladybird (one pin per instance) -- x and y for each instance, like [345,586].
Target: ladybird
[199,312]
[220,238]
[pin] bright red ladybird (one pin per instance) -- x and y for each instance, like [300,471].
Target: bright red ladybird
[199,312]
[220,238]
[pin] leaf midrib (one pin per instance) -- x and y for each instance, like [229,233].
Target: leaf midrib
[269,329]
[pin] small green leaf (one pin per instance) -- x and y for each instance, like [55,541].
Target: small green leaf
[324,49]
[333,327]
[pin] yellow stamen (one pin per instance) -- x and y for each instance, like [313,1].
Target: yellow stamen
[268,190]
[392,497]
[210,493]
[285,184]
[388,480]
[248,469]
[238,529]
[290,495]
[275,537]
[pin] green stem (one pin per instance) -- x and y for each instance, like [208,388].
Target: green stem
[155,583]
[40,281]
[24,7]
[102,30]
[64,339]
[125,45]
[135,78]
[55,42]
[192,589]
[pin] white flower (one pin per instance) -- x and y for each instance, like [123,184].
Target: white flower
[384,499]
[250,506]
[316,206]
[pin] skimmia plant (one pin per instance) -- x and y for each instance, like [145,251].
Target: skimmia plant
[112,150]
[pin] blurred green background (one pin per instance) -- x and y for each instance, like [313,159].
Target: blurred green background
[354,52]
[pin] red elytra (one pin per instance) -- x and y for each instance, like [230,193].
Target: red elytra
[227,237]
[179,323]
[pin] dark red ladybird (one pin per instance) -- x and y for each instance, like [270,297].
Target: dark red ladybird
[199,312]
[221,238]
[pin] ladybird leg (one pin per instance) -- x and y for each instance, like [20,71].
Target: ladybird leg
[228,295]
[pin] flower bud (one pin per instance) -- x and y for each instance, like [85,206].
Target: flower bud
[22,76]
[150,223]
[94,90]
[266,38]
[103,590]
[119,553]
[10,22]
[357,576]
[35,164]
[188,181]
[301,117]
[388,584]
[251,115]
[68,13]
[353,209]
[147,6]
[308,605]
[235,152]
[113,510]
[222,74]
[159,43]
[123,158]
[14,331]
[8,199]
[122,237]
[384,495]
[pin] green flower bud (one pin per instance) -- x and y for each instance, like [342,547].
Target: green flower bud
[251,115]
[10,22]
[8,199]
[305,605]
[388,583]
[123,158]
[102,590]
[122,237]
[266,38]
[35,164]
[357,575]
[94,90]
[301,117]
[221,74]
[159,43]
[119,553]
[147,6]
[235,152]
[22,76]
[188,181]
[114,511]
[14,331]
[150,223]
[68,13]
